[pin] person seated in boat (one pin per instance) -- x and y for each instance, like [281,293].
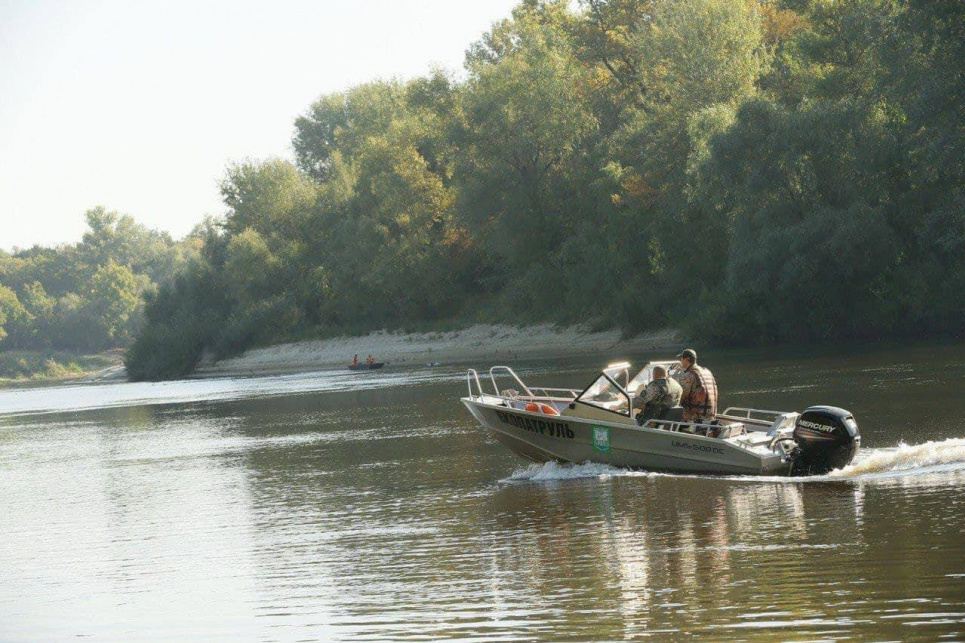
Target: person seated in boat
[370,360]
[355,359]
[657,397]
[699,387]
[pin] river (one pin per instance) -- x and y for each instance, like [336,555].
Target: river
[337,505]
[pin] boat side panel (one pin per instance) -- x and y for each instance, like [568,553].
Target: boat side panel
[568,439]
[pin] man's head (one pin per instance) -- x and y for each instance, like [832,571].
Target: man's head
[659,372]
[688,357]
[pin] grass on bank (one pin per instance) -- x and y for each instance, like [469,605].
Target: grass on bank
[40,365]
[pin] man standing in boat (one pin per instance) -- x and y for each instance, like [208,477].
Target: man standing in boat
[699,388]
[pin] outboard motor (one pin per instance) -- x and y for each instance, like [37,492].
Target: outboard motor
[827,438]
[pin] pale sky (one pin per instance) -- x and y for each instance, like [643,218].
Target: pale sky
[140,105]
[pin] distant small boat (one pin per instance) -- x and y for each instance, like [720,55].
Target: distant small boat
[366,366]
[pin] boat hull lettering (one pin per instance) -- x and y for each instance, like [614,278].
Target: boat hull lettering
[533,425]
[696,447]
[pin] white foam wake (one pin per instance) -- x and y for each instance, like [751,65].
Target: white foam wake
[907,458]
[557,471]
[903,460]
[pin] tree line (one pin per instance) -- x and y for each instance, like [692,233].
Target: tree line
[749,171]
[88,296]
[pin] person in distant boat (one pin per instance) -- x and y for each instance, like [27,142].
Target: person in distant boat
[657,397]
[355,359]
[699,387]
[370,360]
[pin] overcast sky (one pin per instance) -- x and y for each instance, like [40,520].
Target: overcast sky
[140,105]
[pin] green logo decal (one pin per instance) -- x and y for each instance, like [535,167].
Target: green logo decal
[601,439]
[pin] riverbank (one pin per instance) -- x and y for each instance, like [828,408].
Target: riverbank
[23,367]
[483,342]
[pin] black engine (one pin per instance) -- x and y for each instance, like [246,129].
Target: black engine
[827,438]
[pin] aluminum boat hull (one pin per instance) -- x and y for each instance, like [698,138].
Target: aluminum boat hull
[366,366]
[562,438]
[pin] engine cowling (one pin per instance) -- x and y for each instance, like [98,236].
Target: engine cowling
[827,438]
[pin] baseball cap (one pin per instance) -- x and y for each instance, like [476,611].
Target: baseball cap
[688,353]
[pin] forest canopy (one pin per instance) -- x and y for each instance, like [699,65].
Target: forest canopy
[88,296]
[750,171]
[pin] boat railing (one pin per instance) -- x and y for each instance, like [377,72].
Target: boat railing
[511,373]
[676,425]
[536,393]
[703,429]
[472,375]
[757,417]
[568,394]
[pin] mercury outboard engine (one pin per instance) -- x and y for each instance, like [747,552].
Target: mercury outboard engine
[827,438]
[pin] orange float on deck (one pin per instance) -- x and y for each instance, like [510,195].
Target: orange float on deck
[545,409]
[548,410]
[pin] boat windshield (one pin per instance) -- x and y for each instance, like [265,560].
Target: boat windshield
[619,371]
[605,394]
[645,376]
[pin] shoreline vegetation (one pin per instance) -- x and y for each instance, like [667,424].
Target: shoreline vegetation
[487,343]
[23,367]
[749,172]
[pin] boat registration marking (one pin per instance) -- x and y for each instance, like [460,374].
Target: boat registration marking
[696,447]
[543,427]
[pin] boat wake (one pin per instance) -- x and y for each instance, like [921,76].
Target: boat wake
[945,455]
[871,464]
[555,471]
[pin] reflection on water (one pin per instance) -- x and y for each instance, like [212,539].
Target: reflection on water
[79,397]
[319,506]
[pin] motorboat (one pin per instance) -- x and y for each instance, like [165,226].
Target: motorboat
[599,424]
[366,366]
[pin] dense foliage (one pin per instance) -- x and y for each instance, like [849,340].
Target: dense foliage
[86,296]
[749,170]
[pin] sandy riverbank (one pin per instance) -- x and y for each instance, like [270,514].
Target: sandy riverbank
[484,343]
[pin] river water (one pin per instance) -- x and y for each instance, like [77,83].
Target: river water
[371,506]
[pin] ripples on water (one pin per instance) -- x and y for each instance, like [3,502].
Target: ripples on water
[82,397]
[371,506]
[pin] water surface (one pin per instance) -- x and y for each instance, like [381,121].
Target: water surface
[371,506]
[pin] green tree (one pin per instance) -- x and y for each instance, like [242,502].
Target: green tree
[119,238]
[184,316]
[249,267]
[12,312]
[525,129]
[113,297]
[271,197]
[815,252]
[341,122]
[33,329]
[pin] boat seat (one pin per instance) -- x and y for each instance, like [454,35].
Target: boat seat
[674,414]
[731,430]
